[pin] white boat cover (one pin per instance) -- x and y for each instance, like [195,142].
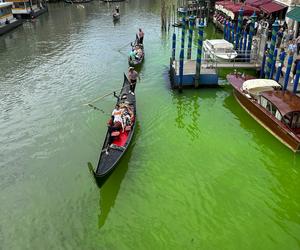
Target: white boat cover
[220,44]
[255,86]
[2,5]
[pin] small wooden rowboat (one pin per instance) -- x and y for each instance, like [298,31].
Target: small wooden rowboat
[276,110]
[110,155]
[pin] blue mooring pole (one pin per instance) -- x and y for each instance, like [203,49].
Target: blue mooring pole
[296,80]
[288,71]
[239,28]
[228,31]
[190,39]
[183,31]
[173,46]
[225,29]
[273,64]
[181,56]
[251,33]
[245,43]
[272,48]
[199,54]
[181,59]
[279,69]
[262,69]
[233,32]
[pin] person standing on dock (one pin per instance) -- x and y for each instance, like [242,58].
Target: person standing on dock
[141,36]
[132,77]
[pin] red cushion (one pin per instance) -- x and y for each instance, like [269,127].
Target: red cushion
[115,133]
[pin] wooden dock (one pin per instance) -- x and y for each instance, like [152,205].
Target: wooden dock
[208,76]
[190,66]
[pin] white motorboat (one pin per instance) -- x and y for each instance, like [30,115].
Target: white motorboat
[219,49]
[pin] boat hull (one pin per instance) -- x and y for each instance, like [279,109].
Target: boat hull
[8,27]
[268,121]
[108,162]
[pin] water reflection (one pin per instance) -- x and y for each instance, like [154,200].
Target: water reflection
[110,189]
[188,115]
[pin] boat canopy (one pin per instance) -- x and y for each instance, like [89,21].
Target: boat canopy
[285,101]
[255,86]
[220,44]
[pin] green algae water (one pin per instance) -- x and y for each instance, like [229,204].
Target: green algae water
[200,173]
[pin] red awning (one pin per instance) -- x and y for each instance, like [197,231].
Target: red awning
[248,10]
[272,7]
[257,3]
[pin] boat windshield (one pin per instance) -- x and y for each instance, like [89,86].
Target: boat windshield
[270,107]
[295,121]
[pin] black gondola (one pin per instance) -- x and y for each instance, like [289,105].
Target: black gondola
[139,58]
[111,154]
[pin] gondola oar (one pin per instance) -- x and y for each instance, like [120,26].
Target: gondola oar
[124,46]
[101,97]
[96,108]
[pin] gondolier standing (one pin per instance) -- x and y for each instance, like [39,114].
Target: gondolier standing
[141,36]
[132,77]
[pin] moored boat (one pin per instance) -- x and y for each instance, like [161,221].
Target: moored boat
[219,49]
[7,21]
[117,142]
[137,53]
[276,110]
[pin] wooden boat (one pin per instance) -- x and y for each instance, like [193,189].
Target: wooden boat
[111,154]
[219,49]
[140,56]
[276,110]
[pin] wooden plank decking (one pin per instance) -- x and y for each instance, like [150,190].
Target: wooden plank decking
[189,67]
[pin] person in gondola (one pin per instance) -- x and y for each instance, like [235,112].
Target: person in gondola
[117,9]
[141,36]
[132,77]
[138,51]
[133,54]
[115,124]
[127,116]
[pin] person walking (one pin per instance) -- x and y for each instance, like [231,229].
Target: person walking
[132,77]
[298,44]
[279,37]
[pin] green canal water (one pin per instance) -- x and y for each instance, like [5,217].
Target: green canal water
[200,172]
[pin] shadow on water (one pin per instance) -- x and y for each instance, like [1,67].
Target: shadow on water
[109,189]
